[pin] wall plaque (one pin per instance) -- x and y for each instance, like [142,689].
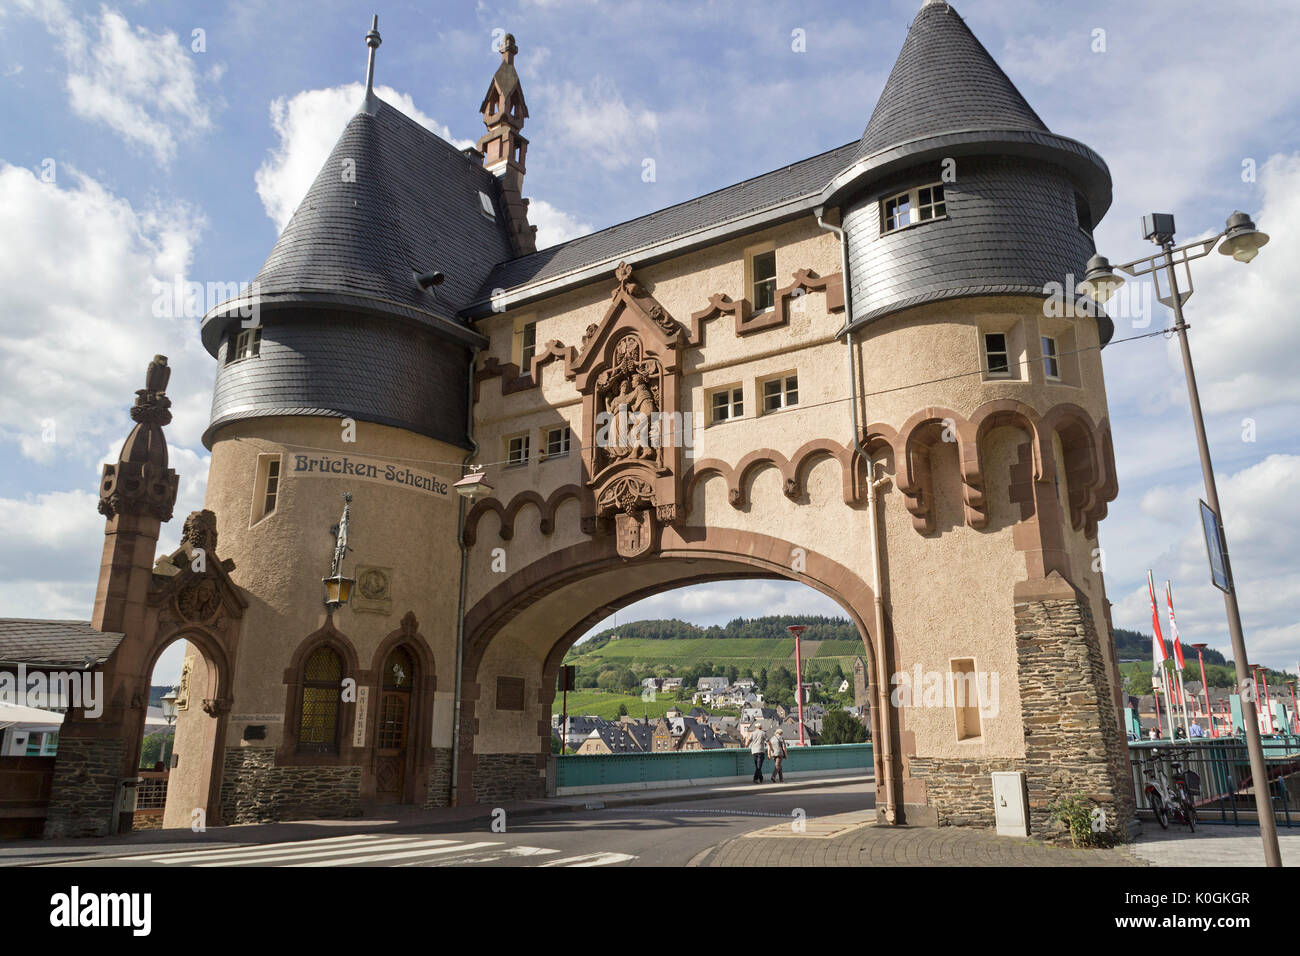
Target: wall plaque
[510,693]
[374,592]
[359,728]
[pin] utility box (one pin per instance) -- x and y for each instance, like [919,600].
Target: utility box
[1011,803]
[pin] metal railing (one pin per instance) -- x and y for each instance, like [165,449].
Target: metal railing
[616,770]
[1227,790]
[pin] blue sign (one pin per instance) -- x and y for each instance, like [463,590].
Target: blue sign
[1214,547]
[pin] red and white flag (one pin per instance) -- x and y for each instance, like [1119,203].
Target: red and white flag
[1173,628]
[1158,654]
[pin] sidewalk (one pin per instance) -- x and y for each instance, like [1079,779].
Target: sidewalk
[395,819]
[853,839]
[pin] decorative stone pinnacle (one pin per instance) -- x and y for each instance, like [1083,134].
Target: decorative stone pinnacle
[508,49]
[152,406]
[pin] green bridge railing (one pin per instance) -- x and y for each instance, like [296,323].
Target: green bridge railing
[621,770]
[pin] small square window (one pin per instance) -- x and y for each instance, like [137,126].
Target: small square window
[1082,213]
[1051,361]
[922,204]
[930,203]
[557,442]
[779,393]
[996,356]
[527,348]
[764,270]
[897,212]
[246,343]
[517,451]
[727,403]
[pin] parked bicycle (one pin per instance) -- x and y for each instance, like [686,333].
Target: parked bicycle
[1174,800]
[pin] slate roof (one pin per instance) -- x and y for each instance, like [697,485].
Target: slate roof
[944,81]
[63,644]
[793,187]
[393,200]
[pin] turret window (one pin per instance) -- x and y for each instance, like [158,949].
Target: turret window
[1051,361]
[996,356]
[246,343]
[915,206]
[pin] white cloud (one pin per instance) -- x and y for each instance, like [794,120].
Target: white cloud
[596,120]
[308,125]
[553,225]
[80,267]
[1262,525]
[144,86]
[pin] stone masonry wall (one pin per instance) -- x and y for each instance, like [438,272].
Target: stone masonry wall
[502,777]
[439,790]
[255,790]
[1073,740]
[86,772]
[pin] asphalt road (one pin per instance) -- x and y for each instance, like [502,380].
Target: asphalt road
[654,835]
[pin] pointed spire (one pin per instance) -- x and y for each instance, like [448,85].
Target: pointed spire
[140,482]
[372,41]
[503,146]
[944,81]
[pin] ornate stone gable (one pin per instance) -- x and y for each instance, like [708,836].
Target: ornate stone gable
[629,371]
[192,586]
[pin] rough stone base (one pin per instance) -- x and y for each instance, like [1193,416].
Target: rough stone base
[439,790]
[255,790]
[502,777]
[86,773]
[1073,740]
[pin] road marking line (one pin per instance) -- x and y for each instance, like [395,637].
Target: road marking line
[297,846]
[592,859]
[514,851]
[260,859]
[381,857]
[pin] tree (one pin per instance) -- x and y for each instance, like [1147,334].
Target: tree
[762,679]
[622,710]
[841,727]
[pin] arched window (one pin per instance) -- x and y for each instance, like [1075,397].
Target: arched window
[318,729]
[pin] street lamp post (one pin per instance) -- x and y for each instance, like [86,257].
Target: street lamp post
[168,704]
[1242,241]
[797,630]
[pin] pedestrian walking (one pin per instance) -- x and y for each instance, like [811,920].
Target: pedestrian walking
[758,747]
[776,750]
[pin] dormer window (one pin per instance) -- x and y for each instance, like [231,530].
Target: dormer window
[246,343]
[1082,213]
[485,202]
[915,206]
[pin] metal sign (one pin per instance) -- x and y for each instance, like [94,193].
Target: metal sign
[1215,549]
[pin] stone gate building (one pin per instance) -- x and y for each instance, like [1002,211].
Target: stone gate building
[698,394]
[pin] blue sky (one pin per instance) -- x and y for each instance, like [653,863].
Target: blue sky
[129,155]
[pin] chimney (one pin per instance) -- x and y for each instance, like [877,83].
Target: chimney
[504,148]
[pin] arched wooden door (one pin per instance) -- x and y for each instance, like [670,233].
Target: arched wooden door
[392,729]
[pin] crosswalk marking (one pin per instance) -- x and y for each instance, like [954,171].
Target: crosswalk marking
[376,848]
[297,846]
[381,857]
[506,853]
[591,859]
[347,852]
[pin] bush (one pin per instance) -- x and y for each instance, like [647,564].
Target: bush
[1077,813]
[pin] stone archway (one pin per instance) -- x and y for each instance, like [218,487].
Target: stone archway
[530,620]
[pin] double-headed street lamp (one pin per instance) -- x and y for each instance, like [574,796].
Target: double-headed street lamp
[1241,240]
